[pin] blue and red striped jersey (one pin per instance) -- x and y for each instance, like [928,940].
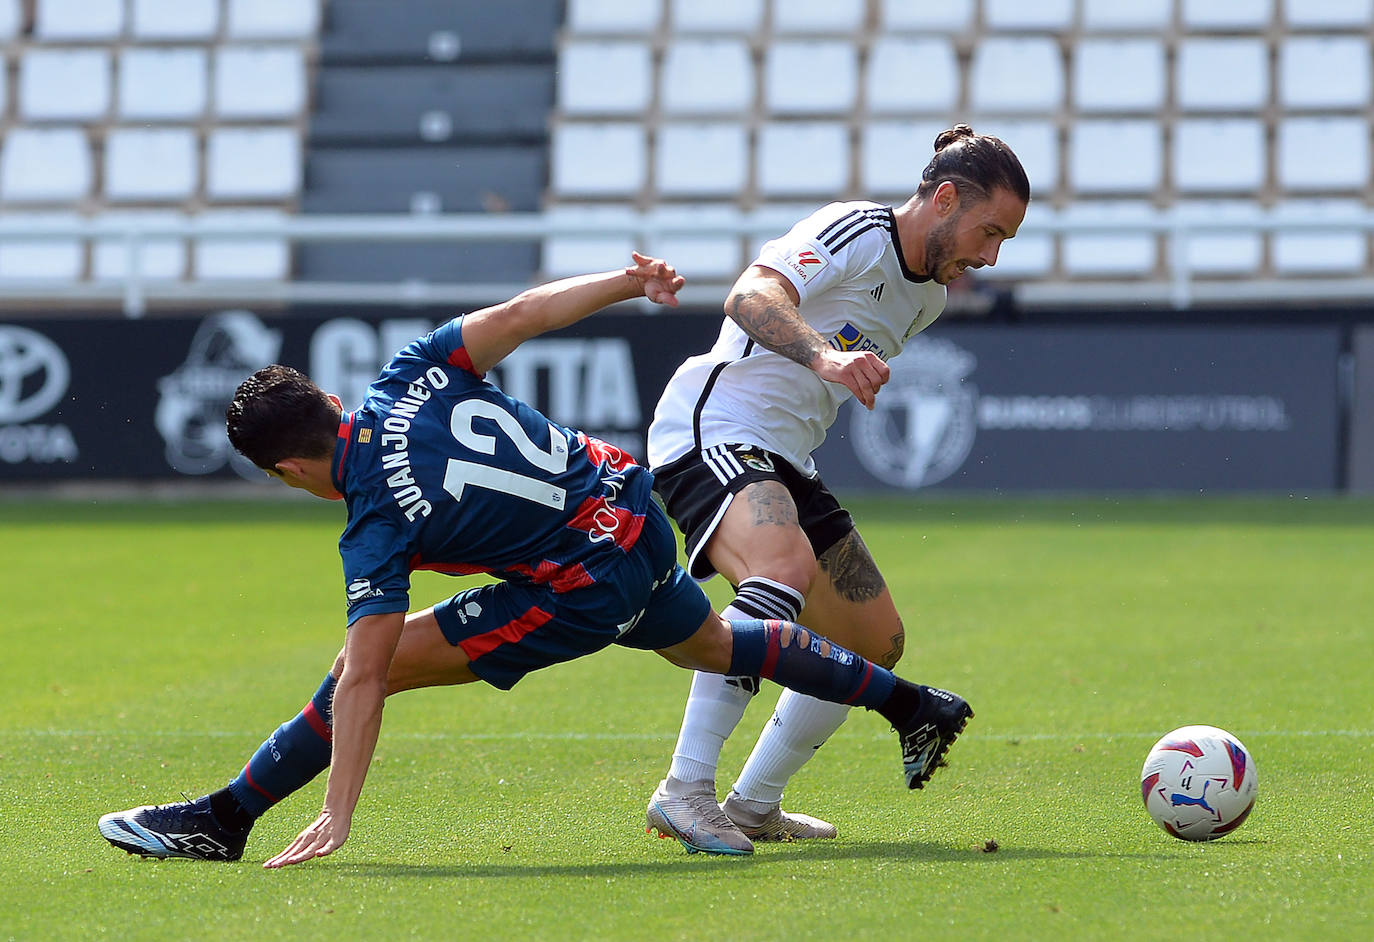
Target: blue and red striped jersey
[443,471]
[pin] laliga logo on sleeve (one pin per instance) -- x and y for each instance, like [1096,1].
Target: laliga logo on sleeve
[807,263]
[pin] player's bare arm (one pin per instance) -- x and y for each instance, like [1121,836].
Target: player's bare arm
[493,332]
[765,306]
[368,651]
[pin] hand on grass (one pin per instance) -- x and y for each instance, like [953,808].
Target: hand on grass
[326,835]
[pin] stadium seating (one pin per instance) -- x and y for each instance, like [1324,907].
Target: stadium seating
[147,111]
[1131,116]
[1136,114]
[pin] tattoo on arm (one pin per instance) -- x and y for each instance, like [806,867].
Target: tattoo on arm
[851,569]
[774,323]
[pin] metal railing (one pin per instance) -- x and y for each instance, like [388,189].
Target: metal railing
[1180,287]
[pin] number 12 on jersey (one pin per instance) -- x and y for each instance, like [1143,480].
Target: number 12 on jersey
[460,474]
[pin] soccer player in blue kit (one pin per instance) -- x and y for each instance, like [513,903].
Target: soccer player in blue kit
[440,470]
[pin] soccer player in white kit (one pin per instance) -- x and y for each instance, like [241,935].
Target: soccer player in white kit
[810,323]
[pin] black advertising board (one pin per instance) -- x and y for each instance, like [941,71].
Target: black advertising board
[110,399]
[968,407]
[1098,408]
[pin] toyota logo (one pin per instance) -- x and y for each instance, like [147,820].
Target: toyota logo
[33,375]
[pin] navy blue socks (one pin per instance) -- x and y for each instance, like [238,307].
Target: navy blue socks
[297,752]
[801,660]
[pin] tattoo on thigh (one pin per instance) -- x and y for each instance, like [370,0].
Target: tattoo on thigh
[771,505]
[851,569]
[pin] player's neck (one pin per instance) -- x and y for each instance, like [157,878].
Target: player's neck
[912,226]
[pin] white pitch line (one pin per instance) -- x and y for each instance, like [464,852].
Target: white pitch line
[516,736]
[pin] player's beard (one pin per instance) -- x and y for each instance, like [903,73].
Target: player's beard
[940,249]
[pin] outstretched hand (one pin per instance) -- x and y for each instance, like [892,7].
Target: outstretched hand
[324,836]
[660,281]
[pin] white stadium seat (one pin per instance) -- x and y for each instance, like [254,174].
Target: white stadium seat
[911,75]
[11,18]
[1017,75]
[45,259]
[64,84]
[150,165]
[1030,254]
[160,84]
[1015,15]
[566,255]
[1324,72]
[1145,15]
[272,19]
[160,258]
[45,165]
[697,257]
[612,16]
[927,16]
[1219,154]
[832,17]
[892,155]
[259,81]
[1115,156]
[1222,74]
[1328,13]
[1120,249]
[707,76]
[252,163]
[255,257]
[604,76]
[796,158]
[79,19]
[598,159]
[701,159]
[1221,252]
[713,16]
[175,19]
[1119,75]
[1329,250]
[1036,145]
[1227,14]
[810,76]
[1322,154]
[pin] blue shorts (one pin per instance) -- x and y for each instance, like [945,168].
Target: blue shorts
[647,602]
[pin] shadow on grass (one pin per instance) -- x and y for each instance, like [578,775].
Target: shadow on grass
[887,851]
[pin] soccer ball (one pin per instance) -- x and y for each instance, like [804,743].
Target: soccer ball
[1199,783]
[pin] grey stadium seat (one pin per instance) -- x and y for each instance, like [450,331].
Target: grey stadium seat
[463,103]
[453,179]
[367,31]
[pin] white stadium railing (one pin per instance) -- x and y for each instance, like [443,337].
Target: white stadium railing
[1179,286]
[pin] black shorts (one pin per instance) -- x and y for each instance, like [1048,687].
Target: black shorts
[698,487]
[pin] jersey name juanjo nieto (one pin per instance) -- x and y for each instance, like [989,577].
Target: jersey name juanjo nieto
[856,291]
[443,471]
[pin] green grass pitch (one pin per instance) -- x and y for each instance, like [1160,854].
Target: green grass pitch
[147,648]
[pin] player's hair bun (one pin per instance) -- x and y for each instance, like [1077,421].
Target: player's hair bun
[956,133]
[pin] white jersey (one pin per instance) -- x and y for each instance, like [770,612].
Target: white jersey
[856,291]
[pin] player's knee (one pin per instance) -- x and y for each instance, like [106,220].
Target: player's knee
[795,568]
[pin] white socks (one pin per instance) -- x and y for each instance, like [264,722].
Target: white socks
[714,708]
[717,703]
[798,727]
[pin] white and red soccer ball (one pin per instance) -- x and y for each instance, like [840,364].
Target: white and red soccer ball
[1199,783]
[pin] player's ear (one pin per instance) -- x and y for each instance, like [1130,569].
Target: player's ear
[288,469]
[946,198]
